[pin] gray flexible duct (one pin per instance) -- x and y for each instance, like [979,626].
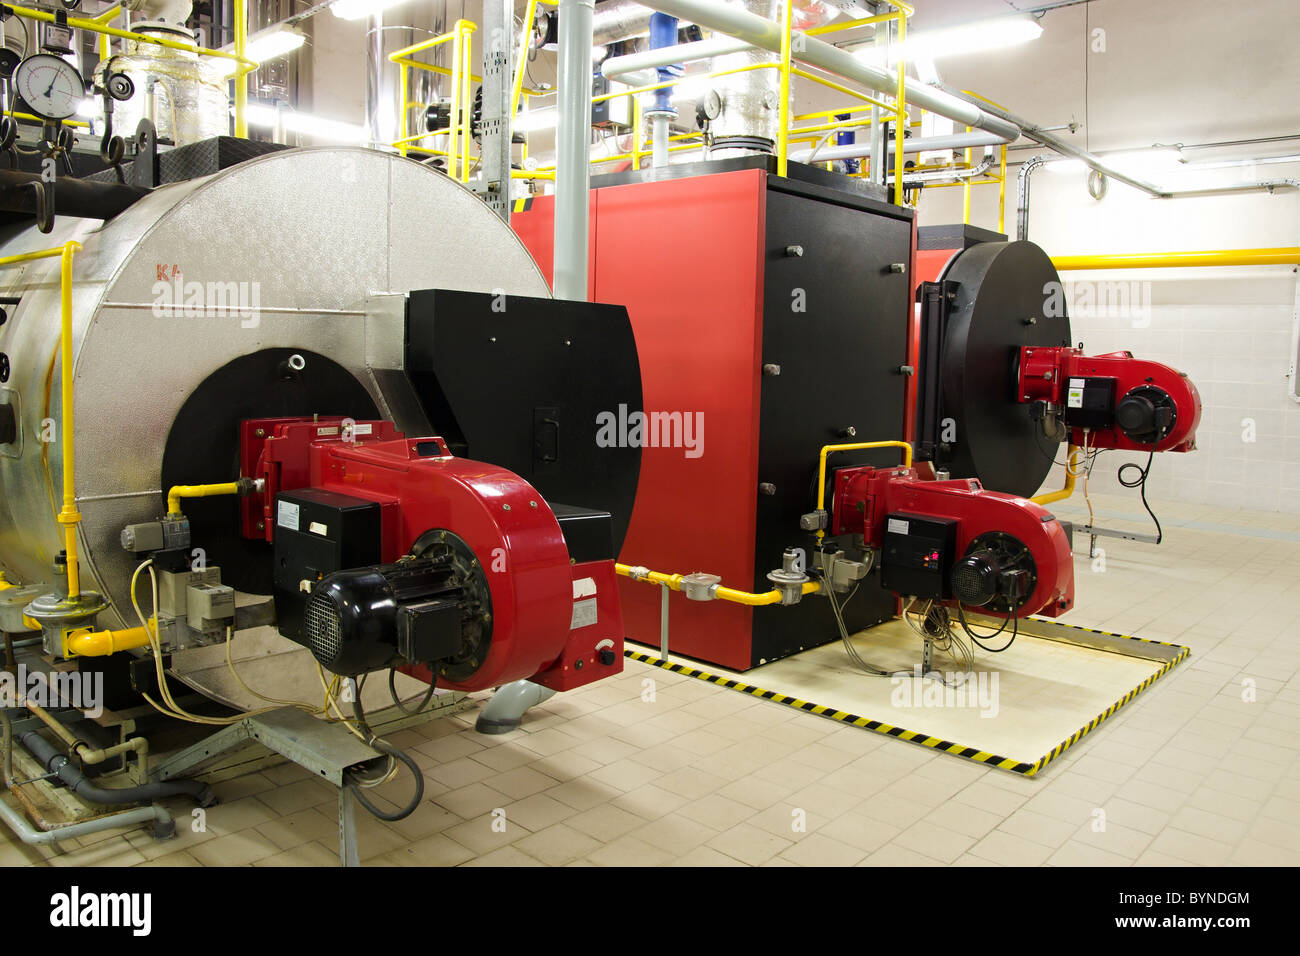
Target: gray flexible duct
[58,764]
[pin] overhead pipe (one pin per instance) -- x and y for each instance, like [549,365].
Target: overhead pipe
[635,67]
[766,35]
[921,177]
[572,150]
[917,145]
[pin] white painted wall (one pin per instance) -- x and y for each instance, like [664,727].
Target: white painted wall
[1173,72]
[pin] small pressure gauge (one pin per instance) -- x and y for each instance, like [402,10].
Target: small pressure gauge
[711,105]
[50,85]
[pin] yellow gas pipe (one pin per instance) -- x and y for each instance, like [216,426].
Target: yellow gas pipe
[178,492]
[1070,477]
[90,643]
[674,583]
[854,446]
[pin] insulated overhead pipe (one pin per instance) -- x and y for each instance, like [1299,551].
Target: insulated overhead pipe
[636,67]
[766,35]
[572,150]
[918,145]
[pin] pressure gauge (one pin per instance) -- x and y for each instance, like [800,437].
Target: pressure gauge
[50,85]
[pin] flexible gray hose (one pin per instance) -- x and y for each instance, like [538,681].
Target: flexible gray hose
[59,765]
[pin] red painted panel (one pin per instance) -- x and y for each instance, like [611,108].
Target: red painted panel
[536,228]
[685,257]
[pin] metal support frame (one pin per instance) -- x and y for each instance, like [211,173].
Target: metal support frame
[1022,195]
[326,750]
[495,123]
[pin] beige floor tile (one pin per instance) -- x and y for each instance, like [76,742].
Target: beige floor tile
[820,850]
[521,782]
[706,856]
[934,841]
[179,858]
[437,850]
[675,834]
[234,849]
[748,844]
[306,854]
[1010,850]
[605,822]
[629,851]
[1038,828]
[716,811]
[473,800]
[558,844]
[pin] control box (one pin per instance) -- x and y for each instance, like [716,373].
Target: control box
[917,555]
[319,532]
[1090,402]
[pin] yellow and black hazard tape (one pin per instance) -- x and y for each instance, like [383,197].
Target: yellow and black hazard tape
[1127,637]
[947,746]
[522,205]
[935,743]
[1093,724]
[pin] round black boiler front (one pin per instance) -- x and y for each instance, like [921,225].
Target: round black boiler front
[203,444]
[1009,296]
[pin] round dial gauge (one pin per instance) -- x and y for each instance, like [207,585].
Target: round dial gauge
[50,85]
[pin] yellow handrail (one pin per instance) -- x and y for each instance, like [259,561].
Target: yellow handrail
[239,11]
[1277,256]
[460,131]
[783,113]
[674,583]
[852,446]
[68,515]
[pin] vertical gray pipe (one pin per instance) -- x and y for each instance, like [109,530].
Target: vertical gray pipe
[659,141]
[572,145]
[375,64]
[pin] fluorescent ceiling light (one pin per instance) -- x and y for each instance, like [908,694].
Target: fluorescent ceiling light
[267,117]
[278,40]
[1235,163]
[978,37]
[533,120]
[356,9]
[691,88]
[1131,161]
[275,41]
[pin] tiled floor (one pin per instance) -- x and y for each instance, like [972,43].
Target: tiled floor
[652,768]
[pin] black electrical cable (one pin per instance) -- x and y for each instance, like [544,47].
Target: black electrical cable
[1015,631]
[424,701]
[1140,482]
[384,747]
